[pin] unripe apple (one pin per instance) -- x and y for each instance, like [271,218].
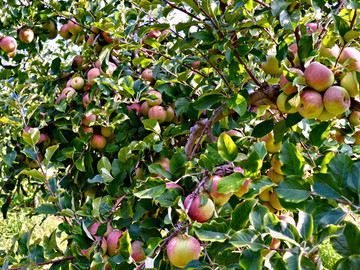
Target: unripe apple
[354,118]
[155,33]
[74,27]
[351,53]
[318,76]
[265,195]
[282,104]
[311,104]
[107,132]
[157,101]
[329,52]
[200,213]
[26,35]
[336,100]
[94,228]
[44,138]
[289,88]
[170,114]
[8,44]
[98,142]
[271,66]
[137,253]
[88,119]
[148,76]
[158,113]
[92,73]
[274,176]
[51,29]
[77,83]
[325,115]
[183,249]
[219,198]
[64,32]
[274,201]
[113,242]
[270,144]
[136,107]
[351,84]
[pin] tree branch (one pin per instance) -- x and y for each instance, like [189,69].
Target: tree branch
[44,263]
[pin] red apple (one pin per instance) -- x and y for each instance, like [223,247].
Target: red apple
[313,28]
[98,142]
[289,88]
[336,100]
[170,114]
[94,228]
[64,32]
[244,189]
[174,185]
[155,33]
[44,138]
[113,242]
[148,76]
[92,73]
[134,106]
[318,76]
[195,64]
[311,104]
[87,129]
[219,198]
[351,53]
[200,213]
[157,101]
[183,249]
[86,101]
[78,62]
[158,113]
[137,252]
[26,35]
[88,119]
[8,44]
[73,27]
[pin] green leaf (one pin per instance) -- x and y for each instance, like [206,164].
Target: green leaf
[353,180]
[46,209]
[157,169]
[104,163]
[34,173]
[152,125]
[238,103]
[324,216]
[125,245]
[257,216]
[247,238]
[347,244]
[240,215]
[205,101]
[230,183]
[278,6]
[124,154]
[293,189]
[305,225]
[326,186]
[214,232]
[49,153]
[339,168]
[293,162]
[263,128]
[96,179]
[341,25]
[203,35]
[227,148]
[252,164]
[32,136]
[56,65]
[305,47]
[10,158]
[319,133]
[151,189]
[24,241]
[277,230]
[251,260]
[349,263]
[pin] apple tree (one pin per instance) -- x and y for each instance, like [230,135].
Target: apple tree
[193,134]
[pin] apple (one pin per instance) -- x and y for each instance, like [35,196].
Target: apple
[92,73]
[195,64]
[77,83]
[318,76]
[265,195]
[157,101]
[325,115]
[33,163]
[351,53]
[269,207]
[244,189]
[200,213]
[51,29]
[26,35]
[274,176]
[137,253]
[336,100]
[44,138]
[148,76]
[311,104]
[271,66]
[276,164]
[103,245]
[183,249]
[12,54]
[88,119]
[136,107]
[93,228]
[270,144]
[98,142]
[351,84]
[286,86]
[78,62]
[107,132]
[8,44]
[170,114]
[86,101]
[73,27]
[282,103]
[64,32]
[313,28]
[87,129]
[113,242]
[219,198]
[154,33]
[329,52]
[95,30]
[164,163]
[174,185]
[158,113]
[354,118]
[233,132]
[274,201]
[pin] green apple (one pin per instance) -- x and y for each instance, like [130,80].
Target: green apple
[351,84]
[271,66]
[183,249]
[282,103]
[336,100]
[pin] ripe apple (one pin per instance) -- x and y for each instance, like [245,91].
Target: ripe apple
[26,35]
[157,101]
[136,107]
[107,132]
[155,33]
[8,44]
[195,64]
[318,76]
[88,119]
[170,114]
[183,249]
[77,83]
[148,76]
[158,113]
[336,100]
[270,144]
[289,88]
[86,101]
[354,118]
[274,201]
[92,73]
[103,245]
[351,84]
[274,176]
[200,213]
[282,103]
[137,252]
[313,28]
[311,104]
[244,189]
[78,62]
[271,66]
[44,138]
[87,129]
[74,27]
[64,32]
[219,198]
[51,29]
[98,142]
[93,228]
[351,53]
[95,30]
[329,52]
[275,243]
[113,242]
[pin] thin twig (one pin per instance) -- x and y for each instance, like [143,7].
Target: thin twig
[113,209]
[44,263]
[183,10]
[207,255]
[258,83]
[263,4]
[340,201]
[11,175]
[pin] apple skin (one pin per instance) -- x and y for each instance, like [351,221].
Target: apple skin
[276,164]
[170,114]
[350,83]
[50,27]
[107,132]
[195,64]
[67,92]
[270,144]
[244,189]
[274,176]
[86,252]
[98,142]
[183,249]
[87,129]
[92,73]
[113,242]
[313,28]
[329,52]
[46,139]
[137,252]
[336,100]
[154,33]
[318,76]
[157,101]
[311,104]
[289,89]
[356,135]
[274,201]
[88,119]
[86,101]
[158,113]
[77,83]
[350,52]
[26,35]
[78,62]
[281,104]
[233,132]
[8,44]
[354,118]
[174,185]
[199,213]
[265,195]
[64,32]
[135,107]
[219,198]
[325,115]
[93,228]
[271,66]
[164,163]
[12,54]
[74,28]
[148,76]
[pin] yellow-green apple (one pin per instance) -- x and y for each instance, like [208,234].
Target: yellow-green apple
[282,104]
[265,195]
[350,53]
[270,144]
[12,54]
[219,198]
[113,242]
[158,113]
[107,132]
[137,253]
[170,114]
[51,29]
[276,164]
[154,33]
[336,100]
[77,83]
[183,249]
[311,104]
[271,66]
[74,27]
[325,115]
[64,32]
[26,35]
[274,176]
[329,52]
[93,228]
[354,118]
[139,173]
[318,76]
[88,119]
[98,142]
[356,135]
[136,107]
[351,84]
[286,86]
[92,73]
[313,28]
[8,44]
[45,139]
[156,101]
[147,75]
[198,212]
[274,201]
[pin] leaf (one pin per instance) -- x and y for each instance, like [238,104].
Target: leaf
[305,47]
[305,225]
[125,245]
[205,101]
[238,103]
[46,209]
[49,153]
[230,183]
[293,189]
[348,263]
[152,125]
[339,168]
[32,136]
[240,215]
[251,260]
[263,128]
[347,243]
[104,163]
[341,25]
[257,216]
[24,241]
[326,186]
[319,133]
[203,35]
[34,173]
[227,148]
[247,238]
[293,162]
[9,158]
[96,179]
[56,65]
[215,232]
[324,216]
[150,189]
[278,6]
[353,179]
[157,169]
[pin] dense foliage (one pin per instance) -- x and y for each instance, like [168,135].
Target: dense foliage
[182,133]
